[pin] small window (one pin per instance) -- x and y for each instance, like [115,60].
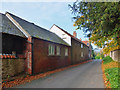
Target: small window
[87,43]
[81,45]
[89,54]
[81,54]
[58,50]
[66,51]
[51,49]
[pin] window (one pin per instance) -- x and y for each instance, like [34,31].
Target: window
[81,54]
[58,50]
[89,54]
[66,51]
[81,45]
[51,49]
[87,43]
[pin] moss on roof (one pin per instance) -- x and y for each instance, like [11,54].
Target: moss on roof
[37,31]
[6,26]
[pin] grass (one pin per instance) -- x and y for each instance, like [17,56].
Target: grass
[107,59]
[111,71]
[113,77]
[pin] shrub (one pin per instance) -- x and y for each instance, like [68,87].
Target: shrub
[97,57]
[107,59]
[101,56]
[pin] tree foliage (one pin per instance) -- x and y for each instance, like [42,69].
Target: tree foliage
[101,22]
[99,56]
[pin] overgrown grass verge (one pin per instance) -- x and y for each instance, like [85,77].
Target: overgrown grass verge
[111,73]
[107,59]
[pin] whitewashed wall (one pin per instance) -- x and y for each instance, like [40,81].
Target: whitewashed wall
[61,34]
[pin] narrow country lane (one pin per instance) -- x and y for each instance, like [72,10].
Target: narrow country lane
[88,75]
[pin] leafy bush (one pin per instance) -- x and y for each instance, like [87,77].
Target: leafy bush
[101,56]
[113,77]
[107,59]
[97,57]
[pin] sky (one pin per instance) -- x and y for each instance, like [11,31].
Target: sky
[44,14]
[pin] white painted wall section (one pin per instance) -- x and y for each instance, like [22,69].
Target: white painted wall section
[61,34]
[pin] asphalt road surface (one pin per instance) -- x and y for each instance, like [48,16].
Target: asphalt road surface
[88,75]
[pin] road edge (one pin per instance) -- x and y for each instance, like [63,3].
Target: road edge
[29,78]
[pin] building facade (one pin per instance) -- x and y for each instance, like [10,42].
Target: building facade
[41,49]
[79,50]
[90,47]
[115,55]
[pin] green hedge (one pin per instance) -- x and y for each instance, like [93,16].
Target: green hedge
[113,76]
[97,57]
[107,59]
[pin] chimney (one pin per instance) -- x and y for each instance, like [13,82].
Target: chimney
[75,34]
[80,39]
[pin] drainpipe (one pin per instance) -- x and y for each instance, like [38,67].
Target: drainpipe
[32,55]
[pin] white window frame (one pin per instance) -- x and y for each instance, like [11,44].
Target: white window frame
[66,51]
[51,49]
[81,45]
[58,50]
[81,54]
[89,54]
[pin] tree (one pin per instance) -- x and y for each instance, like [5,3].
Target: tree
[99,56]
[101,22]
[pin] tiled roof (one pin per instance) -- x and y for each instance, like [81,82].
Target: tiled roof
[6,26]
[70,35]
[86,42]
[36,31]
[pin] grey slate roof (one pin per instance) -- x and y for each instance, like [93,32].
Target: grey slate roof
[6,26]
[37,31]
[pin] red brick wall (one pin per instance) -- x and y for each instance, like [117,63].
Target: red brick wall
[28,55]
[77,50]
[43,62]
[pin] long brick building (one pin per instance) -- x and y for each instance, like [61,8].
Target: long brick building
[41,49]
[79,50]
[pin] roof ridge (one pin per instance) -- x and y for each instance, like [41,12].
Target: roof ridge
[19,17]
[69,34]
[62,29]
[29,22]
[5,29]
[36,31]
